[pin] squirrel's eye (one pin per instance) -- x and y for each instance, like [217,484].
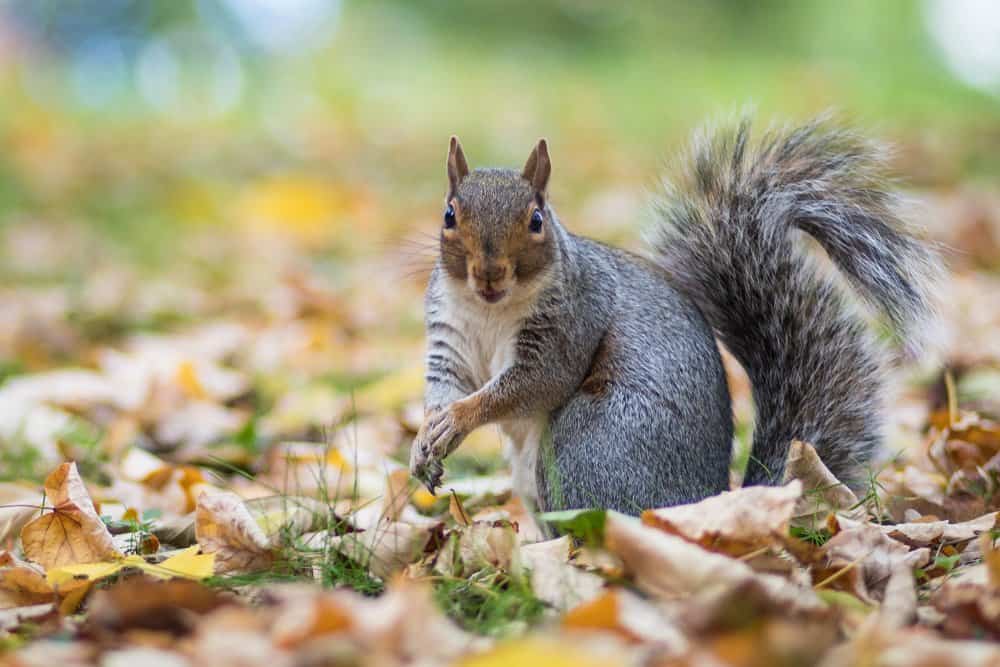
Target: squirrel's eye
[449,217]
[536,221]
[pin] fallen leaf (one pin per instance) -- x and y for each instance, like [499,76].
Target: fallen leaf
[18,504]
[899,602]
[71,532]
[670,567]
[540,651]
[733,522]
[188,564]
[225,527]
[281,516]
[932,533]
[822,492]
[12,619]
[553,579]
[486,545]
[861,559]
[385,549]
[143,656]
[911,648]
[22,585]
[397,494]
[164,606]
[970,609]
[306,615]
[629,616]
[991,559]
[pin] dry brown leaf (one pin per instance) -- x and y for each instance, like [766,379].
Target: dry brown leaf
[279,516]
[933,533]
[140,603]
[397,494]
[670,567]
[457,511]
[384,549]
[970,608]
[991,560]
[482,545]
[733,522]
[822,492]
[129,657]
[26,584]
[402,626]
[628,615]
[553,579]
[747,625]
[71,532]
[21,584]
[899,604]
[236,637]
[861,559]
[911,648]
[310,617]
[18,504]
[224,526]
[12,619]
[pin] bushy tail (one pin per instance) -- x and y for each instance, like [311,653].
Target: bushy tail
[728,239]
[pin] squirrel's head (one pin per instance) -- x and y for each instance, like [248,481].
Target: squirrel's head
[497,234]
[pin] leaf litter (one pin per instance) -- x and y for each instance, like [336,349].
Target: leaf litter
[236,492]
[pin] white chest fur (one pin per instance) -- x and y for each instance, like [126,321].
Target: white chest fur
[488,344]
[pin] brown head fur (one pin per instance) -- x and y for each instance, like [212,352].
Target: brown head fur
[492,246]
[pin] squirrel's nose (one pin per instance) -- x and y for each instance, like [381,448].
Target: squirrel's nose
[491,273]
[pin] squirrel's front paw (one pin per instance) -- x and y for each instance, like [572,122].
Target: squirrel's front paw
[442,431]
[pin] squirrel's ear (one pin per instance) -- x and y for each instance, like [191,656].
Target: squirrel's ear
[538,167]
[458,168]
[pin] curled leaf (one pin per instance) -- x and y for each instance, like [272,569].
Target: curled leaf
[734,522]
[225,527]
[71,532]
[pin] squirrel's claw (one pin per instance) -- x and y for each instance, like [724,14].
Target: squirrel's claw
[434,470]
[438,437]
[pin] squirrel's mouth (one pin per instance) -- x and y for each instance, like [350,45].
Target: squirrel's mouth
[491,295]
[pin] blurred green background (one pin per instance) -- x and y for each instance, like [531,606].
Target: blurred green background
[219,142]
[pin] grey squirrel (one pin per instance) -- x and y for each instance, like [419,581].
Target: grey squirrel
[601,367]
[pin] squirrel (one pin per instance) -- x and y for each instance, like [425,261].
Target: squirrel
[601,367]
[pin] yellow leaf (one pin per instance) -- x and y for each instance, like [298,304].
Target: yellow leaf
[300,207]
[192,482]
[187,379]
[188,564]
[423,498]
[59,576]
[538,652]
[335,458]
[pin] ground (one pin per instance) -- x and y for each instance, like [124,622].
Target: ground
[211,345]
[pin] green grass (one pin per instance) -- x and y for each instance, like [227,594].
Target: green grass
[489,602]
[21,461]
[339,571]
[812,535]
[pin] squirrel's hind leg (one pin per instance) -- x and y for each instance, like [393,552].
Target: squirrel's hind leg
[592,457]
